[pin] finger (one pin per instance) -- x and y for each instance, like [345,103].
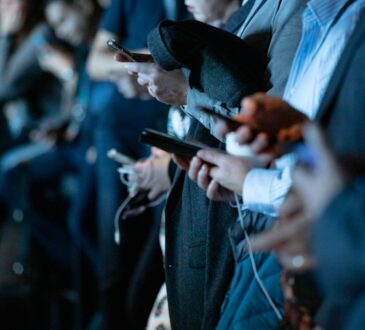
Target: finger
[213,190]
[270,240]
[143,80]
[204,179]
[211,156]
[153,194]
[195,166]
[260,143]
[291,206]
[221,128]
[244,134]
[144,68]
[250,105]
[120,57]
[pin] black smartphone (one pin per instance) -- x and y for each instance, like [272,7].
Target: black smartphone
[234,124]
[119,48]
[169,143]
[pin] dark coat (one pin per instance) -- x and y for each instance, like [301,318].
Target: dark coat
[339,245]
[199,261]
[246,306]
[343,116]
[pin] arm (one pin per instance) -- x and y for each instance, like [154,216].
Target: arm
[20,71]
[101,63]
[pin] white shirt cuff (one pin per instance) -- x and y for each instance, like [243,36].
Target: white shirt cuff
[264,190]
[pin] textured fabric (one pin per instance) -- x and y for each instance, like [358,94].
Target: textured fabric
[327,25]
[199,262]
[245,305]
[275,50]
[211,55]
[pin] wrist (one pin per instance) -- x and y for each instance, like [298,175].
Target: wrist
[67,74]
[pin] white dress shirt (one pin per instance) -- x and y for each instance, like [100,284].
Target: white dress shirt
[327,27]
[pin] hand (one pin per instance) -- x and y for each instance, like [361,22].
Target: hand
[290,239]
[152,175]
[326,179]
[128,86]
[228,171]
[267,117]
[199,173]
[168,87]
[57,61]
[272,115]
[11,17]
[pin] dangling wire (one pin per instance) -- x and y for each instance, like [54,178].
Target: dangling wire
[253,263]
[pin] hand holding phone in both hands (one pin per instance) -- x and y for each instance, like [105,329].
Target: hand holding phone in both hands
[168,87]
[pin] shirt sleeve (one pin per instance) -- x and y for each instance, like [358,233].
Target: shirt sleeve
[264,190]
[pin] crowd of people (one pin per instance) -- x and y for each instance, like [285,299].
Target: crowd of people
[241,211]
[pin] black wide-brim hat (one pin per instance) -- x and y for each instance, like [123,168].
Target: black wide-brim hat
[221,64]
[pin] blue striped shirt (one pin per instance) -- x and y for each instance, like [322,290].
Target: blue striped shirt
[327,27]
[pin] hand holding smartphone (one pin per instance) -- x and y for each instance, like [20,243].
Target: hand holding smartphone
[132,57]
[292,134]
[169,143]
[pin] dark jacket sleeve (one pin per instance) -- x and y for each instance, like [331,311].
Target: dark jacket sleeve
[221,64]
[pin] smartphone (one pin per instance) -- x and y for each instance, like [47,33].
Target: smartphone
[120,158]
[234,124]
[119,48]
[169,143]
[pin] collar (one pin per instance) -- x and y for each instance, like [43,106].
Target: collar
[326,11]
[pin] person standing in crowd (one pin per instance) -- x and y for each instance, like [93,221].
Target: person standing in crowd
[198,257]
[311,225]
[22,99]
[122,119]
[326,103]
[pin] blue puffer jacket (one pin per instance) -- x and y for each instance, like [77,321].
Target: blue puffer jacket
[246,306]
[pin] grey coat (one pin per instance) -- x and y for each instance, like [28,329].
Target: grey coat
[199,262]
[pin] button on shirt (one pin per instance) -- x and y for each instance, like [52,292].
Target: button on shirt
[327,27]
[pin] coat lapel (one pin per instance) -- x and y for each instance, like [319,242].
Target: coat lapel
[341,69]
[255,8]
